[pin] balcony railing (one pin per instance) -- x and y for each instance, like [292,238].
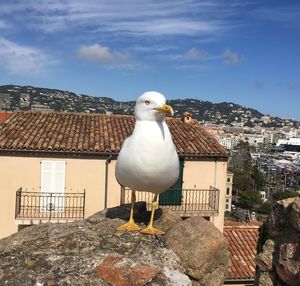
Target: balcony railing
[191,201]
[42,205]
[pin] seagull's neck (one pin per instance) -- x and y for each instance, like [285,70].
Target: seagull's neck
[149,123]
[151,127]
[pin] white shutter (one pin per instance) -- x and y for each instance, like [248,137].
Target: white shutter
[59,176]
[52,181]
[46,179]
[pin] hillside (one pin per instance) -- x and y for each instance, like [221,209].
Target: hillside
[13,97]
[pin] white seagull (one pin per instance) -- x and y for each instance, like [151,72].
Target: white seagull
[148,161]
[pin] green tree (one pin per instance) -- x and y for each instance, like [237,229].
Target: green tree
[258,178]
[249,124]
[245,191]
[281,195]
[247,179]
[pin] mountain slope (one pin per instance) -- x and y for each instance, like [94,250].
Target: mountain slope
[13,97]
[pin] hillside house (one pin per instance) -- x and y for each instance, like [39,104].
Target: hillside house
[5,101]
[61,167]
[228,198]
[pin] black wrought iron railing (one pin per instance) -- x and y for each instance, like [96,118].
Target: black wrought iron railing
[193,201]
[42,205]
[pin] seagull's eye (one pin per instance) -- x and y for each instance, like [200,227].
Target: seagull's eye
[147,102]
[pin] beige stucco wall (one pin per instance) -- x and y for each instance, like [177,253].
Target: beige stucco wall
[89,174]
[25,172]
[202,175]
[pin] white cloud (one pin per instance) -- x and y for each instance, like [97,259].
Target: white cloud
[284,14]
[135,17]
[156,48]
[101,54]
[163,27]
[195,54]
[19,59]
[231,58]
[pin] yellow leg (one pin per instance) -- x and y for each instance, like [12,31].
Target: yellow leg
[150,229]
[130,225]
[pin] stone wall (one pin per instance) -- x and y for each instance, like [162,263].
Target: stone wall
[279,262]
[91,252]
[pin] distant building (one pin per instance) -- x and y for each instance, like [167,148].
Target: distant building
[263,196]
[227,140]
[228,194]
[291,144]
[254,139]
[272,137]
[24,100]
[5,101]
[214,129]
[265,119]
[41,107]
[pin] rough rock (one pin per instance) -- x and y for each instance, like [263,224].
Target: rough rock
[265,259]
[117,270]
[202,249]
[265,279]
[91,252]
[294,217]
[279,263]
[167,220]
[279,216]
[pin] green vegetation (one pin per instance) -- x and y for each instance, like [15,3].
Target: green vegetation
[249,124]
[263,236]
[247,180]
[265,208]
[281,195]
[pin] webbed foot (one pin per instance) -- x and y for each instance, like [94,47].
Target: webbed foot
[129,226]
[152,230]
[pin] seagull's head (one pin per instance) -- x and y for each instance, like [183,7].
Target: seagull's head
[151,106]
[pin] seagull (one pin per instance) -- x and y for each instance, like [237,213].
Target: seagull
[148,160]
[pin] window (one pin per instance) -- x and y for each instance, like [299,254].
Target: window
[228,180]
[52,185]
[227,191]
[227,200]
[227,207]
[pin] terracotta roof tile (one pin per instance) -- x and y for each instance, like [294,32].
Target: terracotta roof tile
[4,115]
[95,133]
[243,241]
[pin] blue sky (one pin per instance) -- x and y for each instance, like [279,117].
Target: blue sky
[246,52]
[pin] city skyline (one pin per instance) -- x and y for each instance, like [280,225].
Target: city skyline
[246,53]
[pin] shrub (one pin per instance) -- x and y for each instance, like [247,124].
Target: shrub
[265,208]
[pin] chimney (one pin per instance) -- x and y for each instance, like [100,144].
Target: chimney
[186,117]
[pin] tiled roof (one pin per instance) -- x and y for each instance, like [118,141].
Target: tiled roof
[95,133]
[243,241]
[242,224]
[4,115]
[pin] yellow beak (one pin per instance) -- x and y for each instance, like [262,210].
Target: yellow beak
[165,109]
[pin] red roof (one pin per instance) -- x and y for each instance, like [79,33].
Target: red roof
[95,133]
[4,115]
[243,241]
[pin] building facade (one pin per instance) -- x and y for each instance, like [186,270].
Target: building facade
[228,195]
[61,167]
